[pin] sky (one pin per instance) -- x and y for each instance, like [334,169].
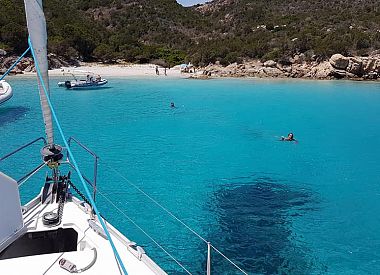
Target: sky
[187,3]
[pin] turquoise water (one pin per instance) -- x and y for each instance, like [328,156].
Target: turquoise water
[215,161]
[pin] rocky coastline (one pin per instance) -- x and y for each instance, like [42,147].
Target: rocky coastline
[26,65]
[337,67]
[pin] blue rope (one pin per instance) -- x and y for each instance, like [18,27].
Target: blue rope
[75,163]
[14,64]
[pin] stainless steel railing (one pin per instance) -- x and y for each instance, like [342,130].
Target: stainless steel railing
[22,148]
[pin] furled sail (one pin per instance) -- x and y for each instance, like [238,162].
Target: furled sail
[37,33]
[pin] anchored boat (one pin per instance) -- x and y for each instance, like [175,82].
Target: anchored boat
[5,91]
[90,81]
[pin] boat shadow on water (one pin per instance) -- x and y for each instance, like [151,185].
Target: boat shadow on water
[12,114]
[90,89]
[254,219]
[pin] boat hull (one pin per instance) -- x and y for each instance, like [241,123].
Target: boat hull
[82,84]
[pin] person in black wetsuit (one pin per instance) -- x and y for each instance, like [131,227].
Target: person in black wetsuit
[290,137]
[172,105]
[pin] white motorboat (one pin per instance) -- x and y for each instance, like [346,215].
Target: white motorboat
[5,91]
[90,81]
[83,84]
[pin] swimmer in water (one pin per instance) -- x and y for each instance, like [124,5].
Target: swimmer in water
[290,137]
[172,105]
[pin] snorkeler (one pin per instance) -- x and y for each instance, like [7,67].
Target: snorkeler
[290,137]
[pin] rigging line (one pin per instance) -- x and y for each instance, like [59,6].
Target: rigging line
[14,64]
[235,265]
[116,253]
[142,230]
[158,204]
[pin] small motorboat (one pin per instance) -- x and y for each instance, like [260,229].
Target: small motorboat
[5,91]
[90,82]
[82,84]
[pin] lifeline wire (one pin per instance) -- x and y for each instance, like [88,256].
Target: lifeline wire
[142,230]
[173,216]
[158,204]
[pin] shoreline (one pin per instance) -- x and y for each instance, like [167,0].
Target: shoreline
[248,70]
[117,70]
[357,68]
[217,78]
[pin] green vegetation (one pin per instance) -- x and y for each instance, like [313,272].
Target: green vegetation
[223,30]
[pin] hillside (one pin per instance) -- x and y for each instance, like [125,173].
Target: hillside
[224,30]
[273,29]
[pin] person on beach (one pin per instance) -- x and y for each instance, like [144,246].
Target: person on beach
[165,71]
[290,137]
[157,71]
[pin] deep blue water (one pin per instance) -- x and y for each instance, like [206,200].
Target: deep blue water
[215,161]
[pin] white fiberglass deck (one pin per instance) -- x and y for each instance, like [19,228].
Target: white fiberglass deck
[76,215]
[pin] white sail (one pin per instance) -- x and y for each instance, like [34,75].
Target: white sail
[37,33]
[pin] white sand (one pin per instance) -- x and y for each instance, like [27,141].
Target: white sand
[120,70]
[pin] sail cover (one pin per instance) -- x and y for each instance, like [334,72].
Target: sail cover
[37,33]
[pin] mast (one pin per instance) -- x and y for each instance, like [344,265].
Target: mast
[37,34]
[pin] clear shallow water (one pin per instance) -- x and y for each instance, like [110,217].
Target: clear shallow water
[272,207]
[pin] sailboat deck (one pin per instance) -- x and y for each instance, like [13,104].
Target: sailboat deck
[76,215]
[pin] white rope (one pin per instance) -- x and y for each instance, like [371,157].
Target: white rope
[146,234]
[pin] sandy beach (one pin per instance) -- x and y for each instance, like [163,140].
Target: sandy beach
[119,70]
